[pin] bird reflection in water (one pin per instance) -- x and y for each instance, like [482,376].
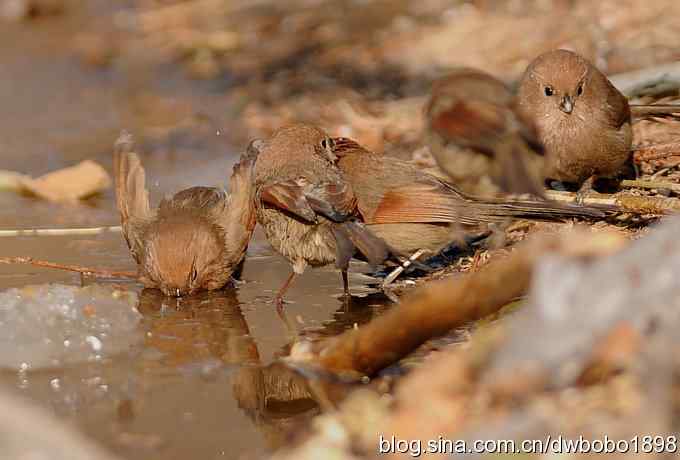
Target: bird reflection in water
[210,327]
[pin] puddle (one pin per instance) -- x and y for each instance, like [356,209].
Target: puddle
[193,379]
[175,379]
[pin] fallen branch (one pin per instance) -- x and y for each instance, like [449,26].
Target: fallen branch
[441,306]
[73,268]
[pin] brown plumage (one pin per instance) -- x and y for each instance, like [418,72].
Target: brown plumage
[412,210]
[582,120]
[478,138]
[305,206]
[194,240]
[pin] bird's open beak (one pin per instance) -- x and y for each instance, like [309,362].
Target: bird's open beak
[567,104]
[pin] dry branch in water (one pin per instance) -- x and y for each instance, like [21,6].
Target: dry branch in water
[73,268]
[441,306]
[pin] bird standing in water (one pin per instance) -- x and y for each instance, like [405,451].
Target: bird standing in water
[306,207]
[193,241]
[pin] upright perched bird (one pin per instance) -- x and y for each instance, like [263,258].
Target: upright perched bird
[194,240]
[412,210]
[582,120]
[479,139]
[305,206]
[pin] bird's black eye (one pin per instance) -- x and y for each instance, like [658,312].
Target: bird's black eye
[579,90]
[548,91]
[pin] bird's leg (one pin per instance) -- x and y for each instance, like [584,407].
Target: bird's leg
[389,279]
[278,300]
[585,189]
[345,282]
[346,298]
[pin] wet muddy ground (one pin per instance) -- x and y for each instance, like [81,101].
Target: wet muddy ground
[188,380]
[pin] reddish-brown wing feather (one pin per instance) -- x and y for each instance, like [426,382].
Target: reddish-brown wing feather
[334,201]
[391,191]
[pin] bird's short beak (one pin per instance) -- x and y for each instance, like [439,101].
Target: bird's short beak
[567,104]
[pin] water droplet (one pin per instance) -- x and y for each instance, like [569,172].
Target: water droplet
[55,384]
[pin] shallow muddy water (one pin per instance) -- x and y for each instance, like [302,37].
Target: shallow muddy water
[192,378]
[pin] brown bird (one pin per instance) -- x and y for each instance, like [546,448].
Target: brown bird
[412,210]
[306,207]
[582,120]
[479,139]
[194,240]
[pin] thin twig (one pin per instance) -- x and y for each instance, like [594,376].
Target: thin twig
[625,202]
[398,271]
[60,231]
[73,268]
[650,184]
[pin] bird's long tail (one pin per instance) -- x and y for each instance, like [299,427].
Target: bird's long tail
[476,211]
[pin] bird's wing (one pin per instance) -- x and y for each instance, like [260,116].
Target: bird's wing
[470,123]
[332,199]
[238,217]
[391,191]
[620,109]
[415,203]
[132,198]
